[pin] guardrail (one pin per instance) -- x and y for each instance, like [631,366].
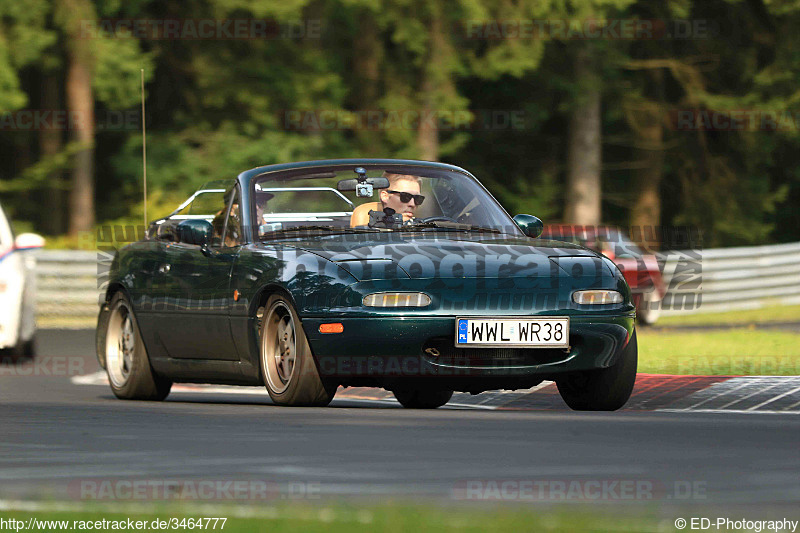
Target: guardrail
[698,281]
[67,288]
[725,279]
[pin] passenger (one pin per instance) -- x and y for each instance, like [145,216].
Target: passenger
[262,197]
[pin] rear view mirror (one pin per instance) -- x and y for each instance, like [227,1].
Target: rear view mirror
[195,232]
[350,185]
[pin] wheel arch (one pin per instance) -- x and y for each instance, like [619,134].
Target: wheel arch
[256,311]
[259,300]
[112,289]
[261,296]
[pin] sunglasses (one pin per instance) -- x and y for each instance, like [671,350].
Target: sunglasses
[406,197]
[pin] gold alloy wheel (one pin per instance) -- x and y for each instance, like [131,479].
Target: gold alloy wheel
[120,345]
[279,347]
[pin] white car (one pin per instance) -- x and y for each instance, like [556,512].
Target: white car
[17,291]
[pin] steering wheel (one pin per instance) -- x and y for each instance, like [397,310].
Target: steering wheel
[439,217]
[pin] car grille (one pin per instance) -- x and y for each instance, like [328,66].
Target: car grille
[442,350]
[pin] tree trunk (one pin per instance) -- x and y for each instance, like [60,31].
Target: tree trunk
[428,129]
[647,124]
[646,211]
[50,142]
[584,146]
[367,57]
[80,104]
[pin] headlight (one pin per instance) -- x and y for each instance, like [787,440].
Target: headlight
[595,297]
[397,299]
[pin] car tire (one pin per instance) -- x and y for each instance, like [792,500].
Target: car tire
[127,365]
[287,365]
[606,389]
[100,334]
[29,348]
[23,350]
[422,399]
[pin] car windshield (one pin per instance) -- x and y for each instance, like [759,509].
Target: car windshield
[377,200]
[205,202]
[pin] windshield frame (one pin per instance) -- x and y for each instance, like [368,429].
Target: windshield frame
[429,170]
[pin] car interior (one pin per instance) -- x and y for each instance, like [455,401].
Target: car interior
[310,200]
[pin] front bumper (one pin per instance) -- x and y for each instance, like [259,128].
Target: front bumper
[400,347]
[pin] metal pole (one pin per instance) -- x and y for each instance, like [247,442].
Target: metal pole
[144,155]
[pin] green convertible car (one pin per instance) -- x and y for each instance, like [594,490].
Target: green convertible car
[406,275]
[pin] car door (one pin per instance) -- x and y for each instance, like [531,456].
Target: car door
[197,325]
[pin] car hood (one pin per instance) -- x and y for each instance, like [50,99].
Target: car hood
[443,255]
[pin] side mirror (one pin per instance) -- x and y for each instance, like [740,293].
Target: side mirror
[530,225]
[26,241]
[195,232]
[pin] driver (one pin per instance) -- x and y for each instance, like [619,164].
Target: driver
[403,194]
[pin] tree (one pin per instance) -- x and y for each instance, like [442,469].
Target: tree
[23,37]
[584,137]
[584,107]
[100,67]
[50,144]
[719,174]
[80,104]
[584,144]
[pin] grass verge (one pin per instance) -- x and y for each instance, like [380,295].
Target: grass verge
[390,518]
[740,351]
[778,313]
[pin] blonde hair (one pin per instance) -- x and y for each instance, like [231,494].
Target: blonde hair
[394,178]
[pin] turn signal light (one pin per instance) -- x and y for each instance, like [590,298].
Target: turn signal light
[397,299]
[337,327]
[596,297]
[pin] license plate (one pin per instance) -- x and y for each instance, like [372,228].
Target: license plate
[523,332]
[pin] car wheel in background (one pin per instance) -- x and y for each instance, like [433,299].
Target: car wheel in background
[422,399]
[127,363]
[605,389]
[23,350]
[649,309]
[29,348]
[287,365]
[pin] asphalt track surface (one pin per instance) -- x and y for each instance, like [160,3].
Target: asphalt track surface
[56,434]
